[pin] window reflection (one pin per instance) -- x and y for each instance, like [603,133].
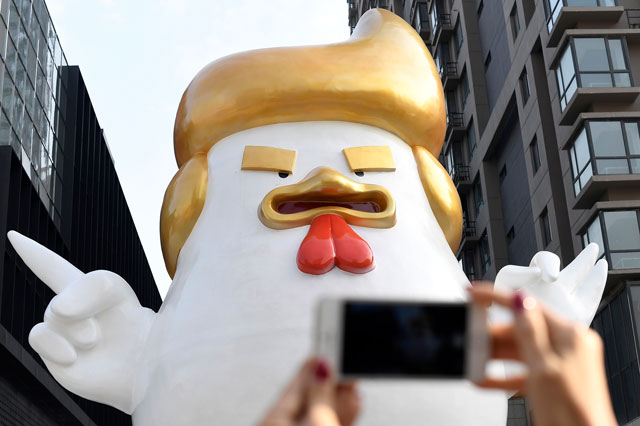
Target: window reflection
[33,96]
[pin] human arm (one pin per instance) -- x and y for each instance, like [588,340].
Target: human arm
[565,380]
[313,398]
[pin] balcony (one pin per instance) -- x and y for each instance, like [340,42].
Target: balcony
[584,97]
[443,29]
[469,228]
[461,175]
[568,17]
[633,18]
[618,235]
[469,235]
[449,75]
[583,83]
[455,126]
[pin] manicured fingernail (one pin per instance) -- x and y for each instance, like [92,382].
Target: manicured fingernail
[321,371]
[518,302]
[522,302]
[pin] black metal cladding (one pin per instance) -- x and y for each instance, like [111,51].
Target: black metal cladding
[97,232]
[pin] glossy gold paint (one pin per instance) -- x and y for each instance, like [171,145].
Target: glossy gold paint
[327,185]
[442,194]
[181,207]
[382,76]
[369,159]
[268,159]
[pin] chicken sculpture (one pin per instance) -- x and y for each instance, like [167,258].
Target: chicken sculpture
[303,173]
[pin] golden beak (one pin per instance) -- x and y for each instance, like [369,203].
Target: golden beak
[325,191]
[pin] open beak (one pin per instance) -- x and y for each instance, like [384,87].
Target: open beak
[325,191]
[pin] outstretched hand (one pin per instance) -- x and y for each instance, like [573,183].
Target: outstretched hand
[313,398]
[565,381]
[573,292]
[94,329]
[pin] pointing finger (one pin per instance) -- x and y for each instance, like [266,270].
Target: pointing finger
[589,292]
[577,270]
[51,346]
[52,269]
[95,292]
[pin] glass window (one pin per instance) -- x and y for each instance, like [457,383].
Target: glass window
[617,54]
[580,162]
[545,227]
[468,264]
[422,17]
[5,129]
[623,238]
[615,146]
[471,140]
[433,17]
[459,38]
[477,195]
[524,86]
[591,54]
[594,235]
[465,87]
[552,9]
[535,155]
[485,256]
[566,78]
[515,21]
[600,62]
[607,138]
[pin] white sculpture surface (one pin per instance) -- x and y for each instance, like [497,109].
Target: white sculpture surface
[237,320]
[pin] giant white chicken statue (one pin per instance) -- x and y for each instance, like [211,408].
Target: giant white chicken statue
[303,173]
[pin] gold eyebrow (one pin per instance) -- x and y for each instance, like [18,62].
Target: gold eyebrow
[370,158]
[266,158]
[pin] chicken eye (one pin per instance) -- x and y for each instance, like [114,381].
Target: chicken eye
[283,174]
[359,173]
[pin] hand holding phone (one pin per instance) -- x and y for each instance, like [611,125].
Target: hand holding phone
[402,339]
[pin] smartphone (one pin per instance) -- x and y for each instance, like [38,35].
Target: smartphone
[402,339]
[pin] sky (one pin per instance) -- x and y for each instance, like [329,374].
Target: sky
[137,58]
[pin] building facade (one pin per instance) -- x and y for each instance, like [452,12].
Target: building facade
[59,187]
[543,145]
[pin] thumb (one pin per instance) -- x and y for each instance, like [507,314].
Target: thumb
[322,397]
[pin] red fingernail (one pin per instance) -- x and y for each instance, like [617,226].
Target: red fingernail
[321,371]
[518,302]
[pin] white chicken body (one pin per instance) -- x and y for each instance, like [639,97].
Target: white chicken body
[239,315]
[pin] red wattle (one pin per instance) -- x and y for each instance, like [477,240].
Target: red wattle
[353,254]
[316,254]
[331,242]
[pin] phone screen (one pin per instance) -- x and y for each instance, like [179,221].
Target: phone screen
[390,339]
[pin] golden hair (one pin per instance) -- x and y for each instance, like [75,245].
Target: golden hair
[382,76]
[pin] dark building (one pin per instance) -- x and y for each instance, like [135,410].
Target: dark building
[59,187]
[543,145]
